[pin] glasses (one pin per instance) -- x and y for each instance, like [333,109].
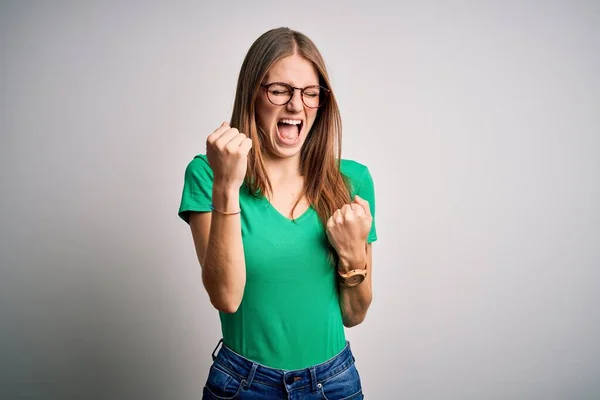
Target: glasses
[280,94]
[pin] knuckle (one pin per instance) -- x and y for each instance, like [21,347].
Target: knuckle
[230,150]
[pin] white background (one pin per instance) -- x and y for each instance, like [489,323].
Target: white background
[479,122]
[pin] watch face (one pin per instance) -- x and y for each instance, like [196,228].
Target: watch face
[355,280]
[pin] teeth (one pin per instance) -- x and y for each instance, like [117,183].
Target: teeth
[291,121]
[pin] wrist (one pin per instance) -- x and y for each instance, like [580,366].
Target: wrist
[349,263]
[226,197]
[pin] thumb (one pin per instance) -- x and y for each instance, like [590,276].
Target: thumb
[363,203]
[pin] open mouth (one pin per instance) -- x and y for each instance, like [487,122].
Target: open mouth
[288,130]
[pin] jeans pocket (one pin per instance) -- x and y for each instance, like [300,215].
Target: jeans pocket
[221,384]
[344,386]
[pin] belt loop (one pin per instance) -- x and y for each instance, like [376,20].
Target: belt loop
[313,379]
[350,351]
[214,356]
[251,376]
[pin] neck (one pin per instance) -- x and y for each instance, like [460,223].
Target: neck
[282,170]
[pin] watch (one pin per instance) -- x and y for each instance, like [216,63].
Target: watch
[352,278]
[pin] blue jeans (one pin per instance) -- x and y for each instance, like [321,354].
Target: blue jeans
[232,376]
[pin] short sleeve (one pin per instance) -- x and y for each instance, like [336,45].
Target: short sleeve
[197,188]
[366,190]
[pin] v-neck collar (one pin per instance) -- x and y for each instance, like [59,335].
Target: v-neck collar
[271,207]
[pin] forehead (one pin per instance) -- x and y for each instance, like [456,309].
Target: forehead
[294,70]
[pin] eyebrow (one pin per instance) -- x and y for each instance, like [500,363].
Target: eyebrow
[287,83]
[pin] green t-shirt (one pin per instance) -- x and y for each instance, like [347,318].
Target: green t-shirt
[290,315]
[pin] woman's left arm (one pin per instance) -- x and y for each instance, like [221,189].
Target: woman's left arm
[355,301]
[347,230]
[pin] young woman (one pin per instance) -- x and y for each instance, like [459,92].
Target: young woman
[282,228]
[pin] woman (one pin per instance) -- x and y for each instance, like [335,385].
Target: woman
[282,229]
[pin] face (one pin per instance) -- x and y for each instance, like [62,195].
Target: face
[287,126]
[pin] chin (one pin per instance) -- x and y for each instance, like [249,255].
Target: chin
[285,152]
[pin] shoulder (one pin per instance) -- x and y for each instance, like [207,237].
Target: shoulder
[200,160]
[353,169]
[198,169]
[199,163]
[357,174]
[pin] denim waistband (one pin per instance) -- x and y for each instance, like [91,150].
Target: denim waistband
[289,380]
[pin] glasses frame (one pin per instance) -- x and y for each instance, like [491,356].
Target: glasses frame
[324,92]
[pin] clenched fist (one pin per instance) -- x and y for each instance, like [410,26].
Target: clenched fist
[227,152]
[348,229]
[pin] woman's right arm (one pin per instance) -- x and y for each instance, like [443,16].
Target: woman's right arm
[218,237]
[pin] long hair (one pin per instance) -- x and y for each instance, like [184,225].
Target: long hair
[325,188]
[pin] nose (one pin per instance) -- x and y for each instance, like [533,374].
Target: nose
[295,104]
